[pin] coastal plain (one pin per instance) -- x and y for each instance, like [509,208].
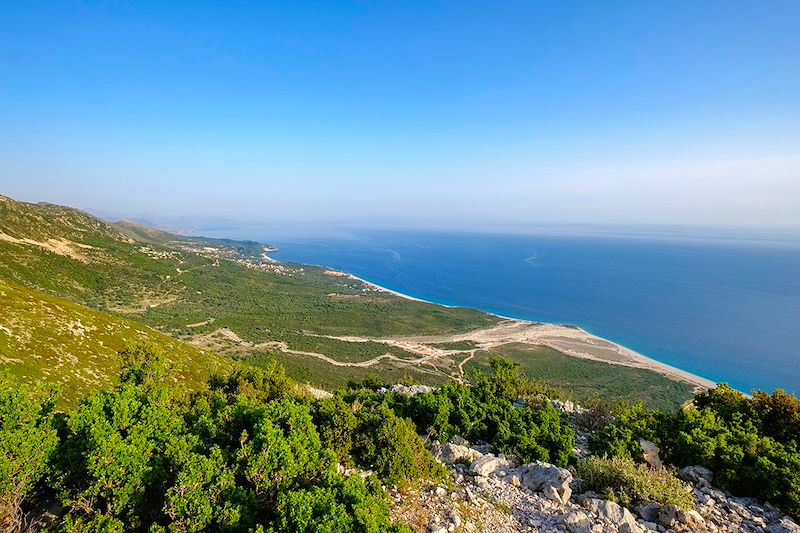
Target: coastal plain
[326,327]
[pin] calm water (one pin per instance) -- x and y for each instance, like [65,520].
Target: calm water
[728,312]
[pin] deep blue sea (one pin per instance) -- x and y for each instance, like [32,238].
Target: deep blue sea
[727,311]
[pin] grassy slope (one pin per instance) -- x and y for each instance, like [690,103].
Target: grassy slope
[44,338]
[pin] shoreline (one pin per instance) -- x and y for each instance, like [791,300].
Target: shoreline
[568,339]
[638,359]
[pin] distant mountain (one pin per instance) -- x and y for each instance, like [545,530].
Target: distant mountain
[143,233]
[41,222]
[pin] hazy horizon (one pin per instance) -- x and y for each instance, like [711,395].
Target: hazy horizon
[424,115]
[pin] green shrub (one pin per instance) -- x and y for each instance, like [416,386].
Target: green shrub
[115,452]
[620,438]
[370,381]
[98,523]
[264,384]
[486,410]
[282,450]
[350,505]
[623,481]
[27,441]
[244,455]
[776,416]
[740,439]
[203,494]
[390,446]
[142,363]
[336,423]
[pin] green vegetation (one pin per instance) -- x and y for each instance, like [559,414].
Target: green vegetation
[321,374]
[621,480]
[245,454]
[582,379]
[485,411]
[27,441]
[456,345]
[343,350]
[391,446]
[43,338]
[219,296]
[751,444]
[177,285]
[187,286]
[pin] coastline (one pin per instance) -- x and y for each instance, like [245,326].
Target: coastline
[565,338]
[573,335]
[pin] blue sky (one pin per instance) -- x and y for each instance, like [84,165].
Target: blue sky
[447,114]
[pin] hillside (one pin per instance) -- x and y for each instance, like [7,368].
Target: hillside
[251,453]
[44,338]
[230,248]
[223,296]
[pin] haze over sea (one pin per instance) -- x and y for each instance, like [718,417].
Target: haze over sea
[724,309]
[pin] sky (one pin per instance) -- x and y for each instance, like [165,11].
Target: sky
[412,114]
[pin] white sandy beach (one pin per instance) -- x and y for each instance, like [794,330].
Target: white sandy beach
[569,340]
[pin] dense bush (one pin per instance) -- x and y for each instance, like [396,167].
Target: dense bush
[338,506]
[249,454]
[776,415]
[27,441]
[390,445]
[745,441]
[488,410]
[621,480]
[244,455]
[630,423]
[336,422]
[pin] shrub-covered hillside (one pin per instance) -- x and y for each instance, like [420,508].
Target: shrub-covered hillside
[213,293]
[751,444]
[247,454]
[253,452]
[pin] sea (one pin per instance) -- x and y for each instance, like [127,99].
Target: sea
[724,308]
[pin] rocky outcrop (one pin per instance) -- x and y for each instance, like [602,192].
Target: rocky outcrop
[611,512]
[487,465]
[492,493]
[650,453]
[554,482]
[714,511]
[567,406]
[407,390]
[451,453]
[697,475]
[784,525]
